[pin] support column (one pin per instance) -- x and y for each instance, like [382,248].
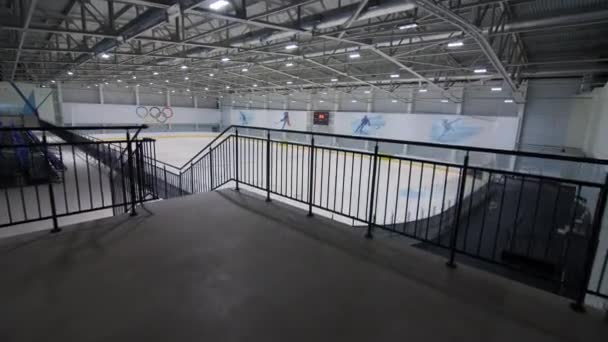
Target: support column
[168,102]
[59,114]
[309,115]
[195,104]
[332,117]
[460,96]
[521,109]
[100,93]
[285,107]
[409,108]
[136,95]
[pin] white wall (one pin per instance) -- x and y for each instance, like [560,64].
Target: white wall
[596,142]
[11,103]
[555,114]
[107,114]
[486,131]
[268,118]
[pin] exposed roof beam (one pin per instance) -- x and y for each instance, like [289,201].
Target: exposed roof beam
[475,33]
[297,30]
[28,19]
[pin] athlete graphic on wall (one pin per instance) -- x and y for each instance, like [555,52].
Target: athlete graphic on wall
[364,122]
[285,120]
[453,130]
[244,120]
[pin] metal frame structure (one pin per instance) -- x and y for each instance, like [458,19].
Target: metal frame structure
[185,45]
[537,227]
[540,229]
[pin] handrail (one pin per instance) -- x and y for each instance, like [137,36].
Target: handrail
[437,145]
[206,146]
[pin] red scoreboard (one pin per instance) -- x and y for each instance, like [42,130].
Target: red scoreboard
[321,118]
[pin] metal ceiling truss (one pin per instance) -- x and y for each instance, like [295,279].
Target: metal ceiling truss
[141,37]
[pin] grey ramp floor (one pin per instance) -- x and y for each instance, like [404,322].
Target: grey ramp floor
[226,266]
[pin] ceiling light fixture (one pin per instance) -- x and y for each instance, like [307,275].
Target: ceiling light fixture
[52,81]
[496,89]
[509,101]
[353,101]
[444,101]
[394,101]
[408,26]
[255,85]
[211,75]
[186,78]
[218,5]
[289,64]
[70,73]
[119,81]
[455,44]
[225,59]
[105,55]
[395,76]
[480,71]
[423,90]
[184,67]
[334,80]
[289,82]
[244,70]
[134,77]
[291,47]
[354,55]
[227,87]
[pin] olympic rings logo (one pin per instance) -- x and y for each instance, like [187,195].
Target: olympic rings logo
[160,115]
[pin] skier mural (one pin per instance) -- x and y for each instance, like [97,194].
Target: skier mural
[245,118]
[367,125]
[453,130]
[285,120]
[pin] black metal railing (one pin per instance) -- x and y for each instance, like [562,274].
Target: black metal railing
[476,206]
[95,175]
[535,227]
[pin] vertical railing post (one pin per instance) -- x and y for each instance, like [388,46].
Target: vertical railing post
[596,227]
[236,155]
[461,189]
[131,177]
[372,195]
[165,176]
[211,167]
[181,191]
[311,174]
[191,178]
[140,171]
[56,228]
[268,167]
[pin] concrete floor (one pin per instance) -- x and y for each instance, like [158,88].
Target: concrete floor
[227,266]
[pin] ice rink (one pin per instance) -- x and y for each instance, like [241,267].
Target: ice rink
[407,190]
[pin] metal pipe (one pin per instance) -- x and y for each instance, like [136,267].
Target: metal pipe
[28,19]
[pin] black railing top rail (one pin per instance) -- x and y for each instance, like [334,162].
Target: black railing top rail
[436,145]
[466,149]
[70,128]
[206,147]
